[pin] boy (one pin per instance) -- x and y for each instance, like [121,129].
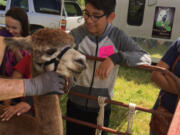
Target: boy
[97,37]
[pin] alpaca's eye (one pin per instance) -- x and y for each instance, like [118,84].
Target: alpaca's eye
[51,51]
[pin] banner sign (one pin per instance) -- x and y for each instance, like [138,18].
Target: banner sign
[163,22]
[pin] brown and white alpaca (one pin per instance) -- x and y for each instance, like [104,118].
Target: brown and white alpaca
[47,46]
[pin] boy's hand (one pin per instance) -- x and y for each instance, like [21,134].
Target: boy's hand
[104,68]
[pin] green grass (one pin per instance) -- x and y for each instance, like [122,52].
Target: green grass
[132,85]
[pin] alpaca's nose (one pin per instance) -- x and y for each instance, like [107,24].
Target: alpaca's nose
[81,62]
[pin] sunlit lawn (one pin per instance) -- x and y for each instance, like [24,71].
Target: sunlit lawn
[133,86]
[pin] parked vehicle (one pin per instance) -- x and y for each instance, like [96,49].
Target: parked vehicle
[46,13]
[156,19]
[155,22]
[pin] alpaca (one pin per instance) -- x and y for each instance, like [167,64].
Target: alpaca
[47,46]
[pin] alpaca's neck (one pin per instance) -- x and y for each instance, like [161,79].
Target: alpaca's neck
[48,113]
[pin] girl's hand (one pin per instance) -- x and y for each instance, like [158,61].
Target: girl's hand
[12,110]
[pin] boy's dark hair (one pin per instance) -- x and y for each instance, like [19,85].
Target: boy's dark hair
[108,6]
[20,15]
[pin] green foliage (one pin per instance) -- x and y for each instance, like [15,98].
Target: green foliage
[132,85]
[81,2]
[3,2]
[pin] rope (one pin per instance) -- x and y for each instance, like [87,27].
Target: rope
[131,113]
[100,118]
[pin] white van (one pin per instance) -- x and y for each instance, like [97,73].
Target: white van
[155,21]
[46,13]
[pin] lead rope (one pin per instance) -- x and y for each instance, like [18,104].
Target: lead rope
[100,117]
[132,110]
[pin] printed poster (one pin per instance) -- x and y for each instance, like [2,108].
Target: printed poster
[163,22]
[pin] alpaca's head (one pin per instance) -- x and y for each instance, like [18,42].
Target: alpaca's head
[52,49]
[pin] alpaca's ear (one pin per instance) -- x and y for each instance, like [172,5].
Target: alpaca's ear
[22,43]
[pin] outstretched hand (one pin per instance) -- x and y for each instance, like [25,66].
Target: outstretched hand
[104,68]
[46,83]
[12,110]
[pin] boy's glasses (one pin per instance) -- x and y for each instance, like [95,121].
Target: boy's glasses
[94,18]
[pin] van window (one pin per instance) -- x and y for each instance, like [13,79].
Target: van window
[20,3]
[3,4]
[72,9]
[47,6]
[136,12]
